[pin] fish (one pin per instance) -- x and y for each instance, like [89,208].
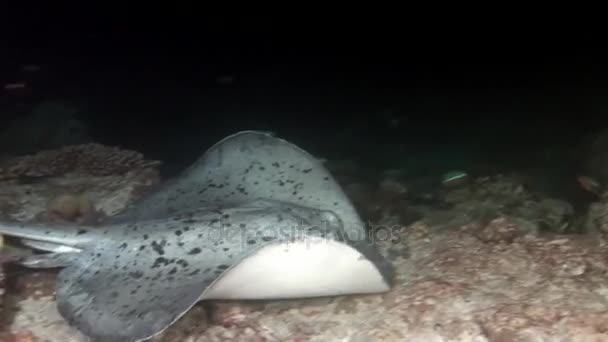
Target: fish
[254,218]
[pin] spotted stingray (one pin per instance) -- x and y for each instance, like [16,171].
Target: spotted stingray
[255,217]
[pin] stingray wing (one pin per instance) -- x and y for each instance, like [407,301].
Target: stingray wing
[103,306]
[135,286]
[246,166]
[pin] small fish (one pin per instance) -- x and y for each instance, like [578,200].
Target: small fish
[590,184]
[254,218]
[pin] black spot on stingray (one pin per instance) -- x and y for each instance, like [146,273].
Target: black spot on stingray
[291,166]
[195,250]
[217,271]
[281,183]
[207,270]
[123,245]
[178,232]
[173,270]
[250,242]
[114,294]
[306,170]
[142,247]
[159,247]
[145,236]
[131,313]
[186,228]
[136,274]
[226,249]
[99,255]
[189,221]
[183,263]
[214,220]
[223,267]
[134,292]
[256,183]
[335,203]
[267,238]
[196,271]
[294,193]
[261,168]
[180,244]
[242,225]
[47,232]
[81,231]
[275,164]
[160,261]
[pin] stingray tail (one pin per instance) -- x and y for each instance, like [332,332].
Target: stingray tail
[60,235]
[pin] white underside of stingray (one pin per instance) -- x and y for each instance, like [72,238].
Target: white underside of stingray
[299,270]
[140,271]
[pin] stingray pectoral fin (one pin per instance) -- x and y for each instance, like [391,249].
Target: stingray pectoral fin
[125,305]
[304,269]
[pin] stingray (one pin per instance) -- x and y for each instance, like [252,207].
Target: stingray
[254,218]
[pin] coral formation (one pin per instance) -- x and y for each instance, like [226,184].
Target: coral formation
[88,159]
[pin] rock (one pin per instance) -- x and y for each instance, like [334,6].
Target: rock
[555,215]
[501,229]
[597,218]
[71,208]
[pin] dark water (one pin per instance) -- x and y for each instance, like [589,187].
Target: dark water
[430,112]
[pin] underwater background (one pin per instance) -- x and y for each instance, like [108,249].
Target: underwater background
[442,137]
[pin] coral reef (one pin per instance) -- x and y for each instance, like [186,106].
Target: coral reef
[88,159]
